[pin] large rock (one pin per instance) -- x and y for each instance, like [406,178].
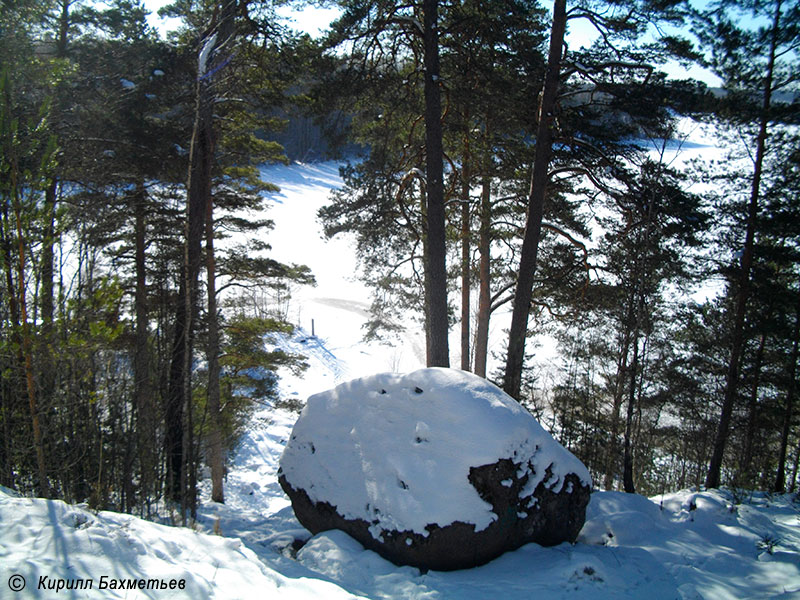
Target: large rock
[438,469]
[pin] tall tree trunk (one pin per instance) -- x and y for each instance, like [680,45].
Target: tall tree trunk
[141,358]
[199,189]
[46,294]
[63,29]
[423,207]
[8,262]
[212,356]
[27,338]
[743,291]
[435,258]
[199,205]
[523,293]
[627,469]
[201,162]
[6,466]
[47,302]
[173,409]
[616,407]
[780,477]
[752,409]
[484,277]
[466,262]
[12,385]
[47,260]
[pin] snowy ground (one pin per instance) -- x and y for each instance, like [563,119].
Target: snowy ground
[687,545]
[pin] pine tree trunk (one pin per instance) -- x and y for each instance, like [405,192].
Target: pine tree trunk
[484,276]
[466,263]
[423,207]
[46,293]
[200,212]
[435,259]
[6,466]
[141,359]
[619,391]
[199,189]
[627,469]
[47,302]
[216,458]
[27,341]
[523,293]
[63,29]
[780,477]
[46,342]
[743,291]
[173,409]
[752,408]
[201,161]
[13,384]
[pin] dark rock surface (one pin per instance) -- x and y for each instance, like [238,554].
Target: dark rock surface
[545,517]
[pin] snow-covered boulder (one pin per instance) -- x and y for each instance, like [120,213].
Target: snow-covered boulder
[438,469]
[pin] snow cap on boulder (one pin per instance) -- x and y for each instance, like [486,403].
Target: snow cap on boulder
[435,461]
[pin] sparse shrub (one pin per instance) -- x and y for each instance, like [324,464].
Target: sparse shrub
[768,543]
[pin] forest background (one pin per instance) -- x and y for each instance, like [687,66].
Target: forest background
[489,168]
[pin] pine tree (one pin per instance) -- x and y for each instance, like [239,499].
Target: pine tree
[484,48]
[755,66]
[128,166]
[512,379]
[610,67]
[242,53]
[390,37]
[781,226]
[662,221]
[490,50]
[27,158]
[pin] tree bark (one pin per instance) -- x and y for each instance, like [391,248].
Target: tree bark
[201,154]
[216,458]
[201,203]
[173,409]
[201,162]
[752,408]
[14,384]
[484,290]
[627,468]
[199,189]
[141,359]
[46,294]
[435,259]
[619,391]
[523,293]
[743,291]
[27,340]
[466,263]
[780,477]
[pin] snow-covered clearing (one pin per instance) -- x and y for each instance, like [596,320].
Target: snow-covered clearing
[685,545]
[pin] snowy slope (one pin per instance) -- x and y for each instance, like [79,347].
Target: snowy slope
[687,545]
[339,303]
[62,549]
